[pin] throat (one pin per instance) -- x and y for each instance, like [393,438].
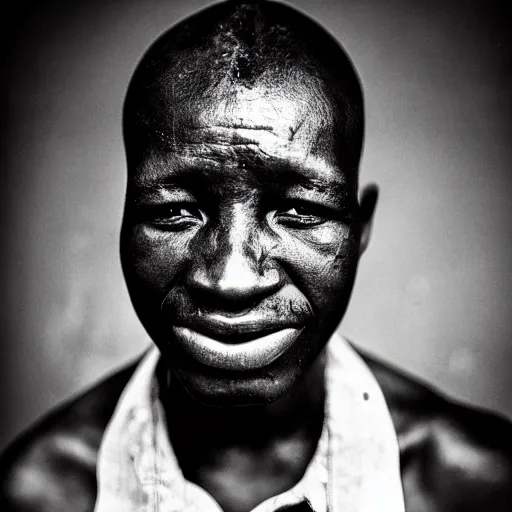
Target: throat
[239,479]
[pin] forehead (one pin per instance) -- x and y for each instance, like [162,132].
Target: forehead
[275,124]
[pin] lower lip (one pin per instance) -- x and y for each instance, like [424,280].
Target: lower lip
[250,355]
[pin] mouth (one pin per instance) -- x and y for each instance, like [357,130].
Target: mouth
[235,330]
[250,350]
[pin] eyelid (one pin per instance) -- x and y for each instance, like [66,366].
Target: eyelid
[161,213]
[323,212]
[315,207]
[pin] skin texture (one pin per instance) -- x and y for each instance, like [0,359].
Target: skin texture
[243,219]
[242,151]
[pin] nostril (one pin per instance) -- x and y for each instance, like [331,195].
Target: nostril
[233,290]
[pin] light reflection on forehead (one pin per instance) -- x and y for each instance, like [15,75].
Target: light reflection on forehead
[294,118]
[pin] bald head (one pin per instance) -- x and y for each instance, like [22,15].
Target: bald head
[245,50]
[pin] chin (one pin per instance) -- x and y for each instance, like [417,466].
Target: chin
[235,389]
[229,388]
[226,388]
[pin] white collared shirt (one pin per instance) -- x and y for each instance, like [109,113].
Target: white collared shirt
[355,467]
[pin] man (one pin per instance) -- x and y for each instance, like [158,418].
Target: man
[242,232]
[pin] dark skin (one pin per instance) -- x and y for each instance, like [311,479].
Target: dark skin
[243,224]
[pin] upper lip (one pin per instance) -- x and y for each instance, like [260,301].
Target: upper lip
[236,329]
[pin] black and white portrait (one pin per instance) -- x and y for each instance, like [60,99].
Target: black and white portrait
[256,256]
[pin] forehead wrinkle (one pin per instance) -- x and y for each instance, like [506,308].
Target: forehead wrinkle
[216,146]
[205,136]
[212,141]
[231,155]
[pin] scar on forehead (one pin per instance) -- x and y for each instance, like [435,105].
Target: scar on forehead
[236,126]
[294,130]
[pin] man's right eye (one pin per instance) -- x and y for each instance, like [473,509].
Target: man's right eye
[174,217]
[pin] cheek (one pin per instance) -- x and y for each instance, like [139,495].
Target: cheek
[152,259]
[322,262]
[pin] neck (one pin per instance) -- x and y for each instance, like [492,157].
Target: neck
[282,435]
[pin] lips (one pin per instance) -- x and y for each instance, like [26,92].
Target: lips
[259,351]
[235,330]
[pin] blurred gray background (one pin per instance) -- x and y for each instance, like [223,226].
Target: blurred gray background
[434,291]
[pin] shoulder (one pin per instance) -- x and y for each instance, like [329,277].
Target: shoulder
[53,465]
[453,457]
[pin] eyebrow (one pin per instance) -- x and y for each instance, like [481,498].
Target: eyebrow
[282,175]
[291,177]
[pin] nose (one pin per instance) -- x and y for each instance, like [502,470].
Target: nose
[230,270]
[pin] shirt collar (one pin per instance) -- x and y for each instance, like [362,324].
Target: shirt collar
[355,467]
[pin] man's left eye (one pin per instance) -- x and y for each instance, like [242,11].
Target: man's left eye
[302,216]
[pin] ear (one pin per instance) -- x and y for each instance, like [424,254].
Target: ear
[367,203]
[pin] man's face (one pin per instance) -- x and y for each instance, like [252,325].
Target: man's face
[241,236]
